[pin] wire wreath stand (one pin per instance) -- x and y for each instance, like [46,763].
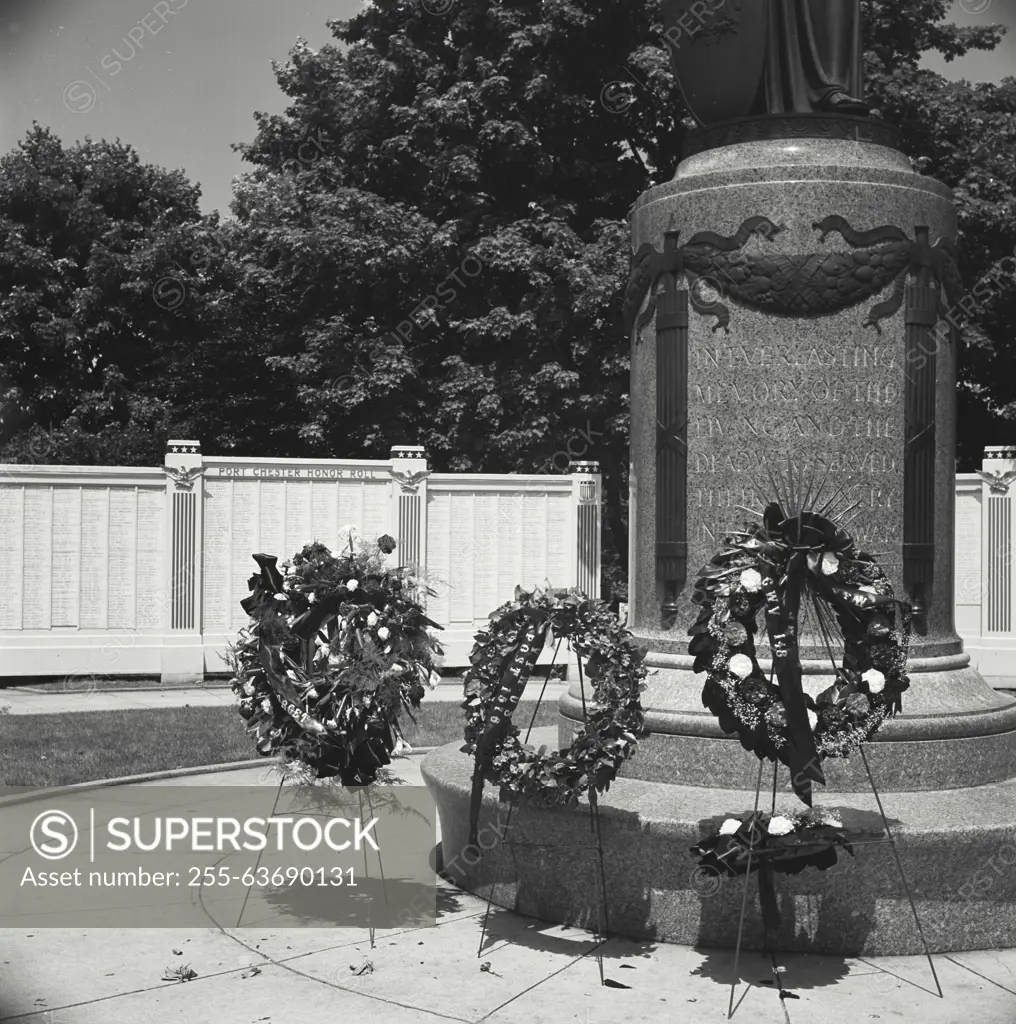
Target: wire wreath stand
[602,934]
[769,944]
[888,839]
[803,496]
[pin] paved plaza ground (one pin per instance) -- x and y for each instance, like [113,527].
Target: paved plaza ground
[528,973]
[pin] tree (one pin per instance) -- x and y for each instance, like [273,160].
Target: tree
[965,136]
[432,245]
[125,314]
[488,123]
[74,338]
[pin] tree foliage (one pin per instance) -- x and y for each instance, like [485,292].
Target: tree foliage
[431,247]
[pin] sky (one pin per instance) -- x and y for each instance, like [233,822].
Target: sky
[180,79]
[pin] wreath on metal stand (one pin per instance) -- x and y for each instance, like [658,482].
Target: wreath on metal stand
[502,661]
[337,648]
[773,568]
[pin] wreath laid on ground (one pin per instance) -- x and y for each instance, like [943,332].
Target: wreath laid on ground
[502,661]
[773,844]
[338,646]
[773,568]
[790,842]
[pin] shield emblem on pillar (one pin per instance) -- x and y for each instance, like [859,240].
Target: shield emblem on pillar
[717,52]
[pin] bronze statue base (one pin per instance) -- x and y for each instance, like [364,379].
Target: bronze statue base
[837,126]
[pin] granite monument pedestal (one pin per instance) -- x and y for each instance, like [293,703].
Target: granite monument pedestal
[790,309]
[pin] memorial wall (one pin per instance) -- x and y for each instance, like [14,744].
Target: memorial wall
[141,571]
[485,535]
[251,507]
[82,560]
[95,559]
[986,565]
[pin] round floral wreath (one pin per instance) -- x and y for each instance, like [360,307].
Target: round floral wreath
[337,648]
[613,664]
[849,590]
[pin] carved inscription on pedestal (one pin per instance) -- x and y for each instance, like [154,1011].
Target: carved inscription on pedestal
[827,409]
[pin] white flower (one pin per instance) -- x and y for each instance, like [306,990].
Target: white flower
[372,619]
[812,719]
[397,669]
[281,597]
[729,827]
[740,665]
[751,580]
[311,598]
[435,678]
[311,694]
[388,649]
[248,688]
[874,679]
[331,724]
[402,747]
[266,706]
[383,633]
[779,825]
[290,619]
[345,531]
[352,585]
[830,563]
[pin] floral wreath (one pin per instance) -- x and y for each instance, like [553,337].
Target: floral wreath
[502,660]
[772,568]
[792,842]
[773,844]
[337,648]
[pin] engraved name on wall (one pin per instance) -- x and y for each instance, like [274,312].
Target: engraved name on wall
[81,557]
[481,544]
[277,510]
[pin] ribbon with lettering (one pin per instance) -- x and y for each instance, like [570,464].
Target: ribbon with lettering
[528,645]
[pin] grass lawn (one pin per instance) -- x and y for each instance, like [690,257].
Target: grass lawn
[81,746]
[89,684]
